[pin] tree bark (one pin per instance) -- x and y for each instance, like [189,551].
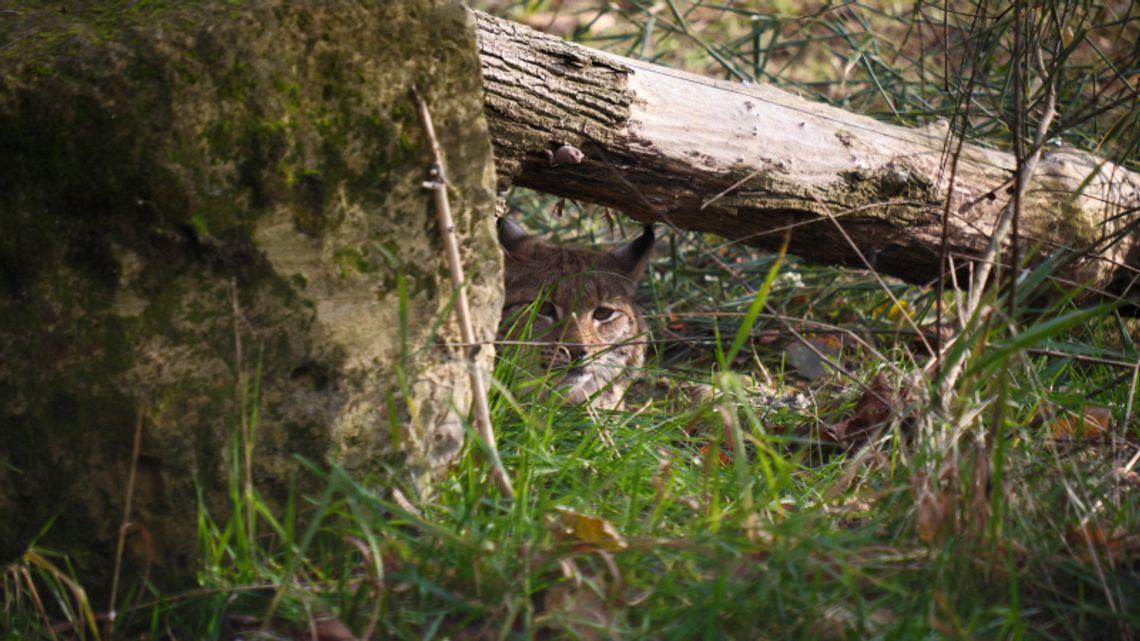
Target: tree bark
[748,162]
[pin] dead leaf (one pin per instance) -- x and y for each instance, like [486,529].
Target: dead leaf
[1092,423]
[327,628]
[804,360]
[578,609]
[874,409]
[588,532]
[1089,540]
[754,530]
[836,432]
[724,458]
[1087,534]
[933,517]
[660,480]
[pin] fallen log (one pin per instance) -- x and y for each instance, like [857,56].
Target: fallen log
[748,162]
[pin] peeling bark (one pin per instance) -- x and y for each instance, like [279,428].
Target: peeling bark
[750,161]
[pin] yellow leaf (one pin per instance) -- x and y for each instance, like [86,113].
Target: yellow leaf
[590,531]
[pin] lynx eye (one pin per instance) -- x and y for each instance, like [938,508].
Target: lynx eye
[602,314]
[548,310]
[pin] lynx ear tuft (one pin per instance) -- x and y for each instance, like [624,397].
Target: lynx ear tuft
[510,234]
[633,255]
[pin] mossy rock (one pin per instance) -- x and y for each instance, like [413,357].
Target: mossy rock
[201,198]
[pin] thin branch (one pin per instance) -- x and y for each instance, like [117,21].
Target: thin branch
[1002,229]
[879,279]
[984,265]
[125,526]
[1128,419]
[438,185]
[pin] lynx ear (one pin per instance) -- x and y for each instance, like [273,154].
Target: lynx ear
[633,256]
[510,234]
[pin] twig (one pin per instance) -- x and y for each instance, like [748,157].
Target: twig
[1001,230]
[944,259]
[984,265]
[1128,418]
[732,187]
[126,522]
[879,279]
[438,185]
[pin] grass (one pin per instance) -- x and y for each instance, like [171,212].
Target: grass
[753,488]
[714,518]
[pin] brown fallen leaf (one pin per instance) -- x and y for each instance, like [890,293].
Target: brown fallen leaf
[328,629]
[723,457]
[1118,546]
[875,407]
[577,608]
[1092,423]
[934,512]
[587,532]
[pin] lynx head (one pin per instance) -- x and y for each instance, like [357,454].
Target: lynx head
[577,305]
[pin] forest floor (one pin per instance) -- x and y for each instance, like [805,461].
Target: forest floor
[795,463]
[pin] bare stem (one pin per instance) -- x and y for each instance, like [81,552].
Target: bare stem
[126,525]
[986,262]
[438,185]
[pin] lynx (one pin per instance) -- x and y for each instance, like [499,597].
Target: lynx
[577,304]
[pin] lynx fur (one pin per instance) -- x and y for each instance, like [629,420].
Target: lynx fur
[577,306]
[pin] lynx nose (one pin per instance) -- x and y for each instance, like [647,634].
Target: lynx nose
[571,354]
[573,346]
[576,352]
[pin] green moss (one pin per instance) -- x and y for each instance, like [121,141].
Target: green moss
[146,146]
[200,226]
[220,137]
[888,185]
[408,141]
[289,90]
[895,182]
[349,260]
